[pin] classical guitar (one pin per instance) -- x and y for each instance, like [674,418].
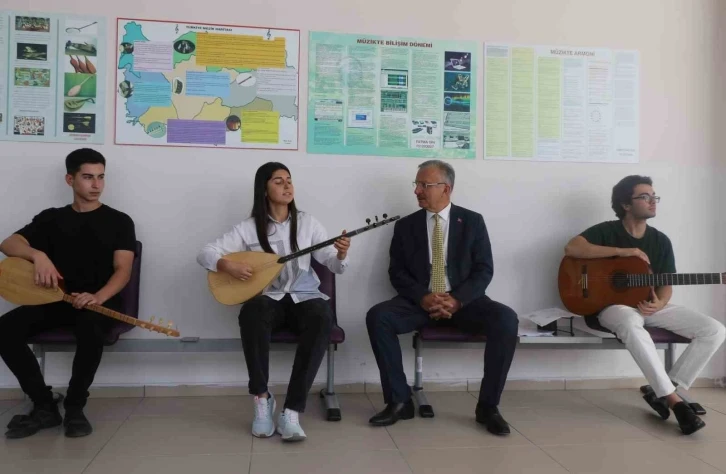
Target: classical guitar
[17,286]
[266,267]
[587,286]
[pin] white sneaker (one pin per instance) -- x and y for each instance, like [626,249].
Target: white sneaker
[262,425]
[288,425]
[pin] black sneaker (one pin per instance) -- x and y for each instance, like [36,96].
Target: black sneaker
[688,421]
[76,424]
[41,417]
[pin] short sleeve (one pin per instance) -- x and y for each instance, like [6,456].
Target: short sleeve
[126,236]
[595,234]
[38,232]
[667,258]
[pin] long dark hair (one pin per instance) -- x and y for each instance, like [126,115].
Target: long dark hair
[261,209]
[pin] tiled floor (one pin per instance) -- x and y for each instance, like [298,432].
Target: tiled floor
[597,431]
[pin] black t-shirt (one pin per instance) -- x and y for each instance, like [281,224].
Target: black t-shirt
[81,244]
[656,245]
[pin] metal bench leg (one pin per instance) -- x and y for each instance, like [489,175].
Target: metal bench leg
[332,407]
[40,354]
[669,355]
[425,410]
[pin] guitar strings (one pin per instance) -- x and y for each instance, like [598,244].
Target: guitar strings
[647,276]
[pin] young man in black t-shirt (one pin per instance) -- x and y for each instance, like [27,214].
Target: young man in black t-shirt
[89,247]
[634,202]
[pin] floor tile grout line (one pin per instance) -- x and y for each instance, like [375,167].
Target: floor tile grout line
[9,408]
[620,418]
[699,459]
[722,411]
[303,450]
[85,469]
[604,410]
[369,400]
[385,427]
[678,447]
[515,428]
[550,456]
[664,442]
[656,439]
[602,443]
[398,449]
[673,445]
[477,398]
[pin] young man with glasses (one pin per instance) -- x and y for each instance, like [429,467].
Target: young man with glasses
[634,202]
[441,265]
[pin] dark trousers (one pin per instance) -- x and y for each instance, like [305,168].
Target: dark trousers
[498,322]
[312,320]
[20,324]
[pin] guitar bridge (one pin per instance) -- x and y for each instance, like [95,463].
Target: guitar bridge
[583,281]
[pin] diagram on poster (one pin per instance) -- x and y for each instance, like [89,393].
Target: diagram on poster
[52,77]
[190,84]
[370,95]
[551,103]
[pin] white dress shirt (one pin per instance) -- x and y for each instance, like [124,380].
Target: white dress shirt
[297,277]
[444,224]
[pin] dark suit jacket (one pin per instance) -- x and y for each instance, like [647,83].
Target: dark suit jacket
[469,264]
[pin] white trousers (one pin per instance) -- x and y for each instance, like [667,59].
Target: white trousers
[706,336]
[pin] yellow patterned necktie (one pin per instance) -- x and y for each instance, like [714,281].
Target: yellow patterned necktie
[438,265]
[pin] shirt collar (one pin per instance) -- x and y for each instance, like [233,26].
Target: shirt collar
[444,214]
[276,222]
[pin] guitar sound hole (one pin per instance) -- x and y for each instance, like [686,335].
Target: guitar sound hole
[620,281]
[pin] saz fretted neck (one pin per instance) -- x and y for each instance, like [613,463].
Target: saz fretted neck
[17,286]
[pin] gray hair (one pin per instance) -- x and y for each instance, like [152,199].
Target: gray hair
[445,168]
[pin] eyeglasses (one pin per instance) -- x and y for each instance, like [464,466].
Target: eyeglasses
[425,186]
[648,198]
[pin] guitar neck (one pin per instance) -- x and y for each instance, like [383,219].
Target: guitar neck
[672,279]
[108,312]
[328,242]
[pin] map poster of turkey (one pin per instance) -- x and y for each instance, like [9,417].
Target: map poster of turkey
[204,85]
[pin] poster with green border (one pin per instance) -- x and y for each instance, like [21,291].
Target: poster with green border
[388,96]
[52,77]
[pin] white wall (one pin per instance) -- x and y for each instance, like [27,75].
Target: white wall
[181,198]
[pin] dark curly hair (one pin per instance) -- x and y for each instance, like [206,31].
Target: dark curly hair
[623,192]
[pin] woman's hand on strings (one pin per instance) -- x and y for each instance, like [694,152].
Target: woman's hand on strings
[241,271]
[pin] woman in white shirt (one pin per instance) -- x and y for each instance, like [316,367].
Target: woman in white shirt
[292,300]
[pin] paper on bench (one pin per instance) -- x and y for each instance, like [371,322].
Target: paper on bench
[543,317]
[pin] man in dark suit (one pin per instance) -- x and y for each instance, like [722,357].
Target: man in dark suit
[441,265]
